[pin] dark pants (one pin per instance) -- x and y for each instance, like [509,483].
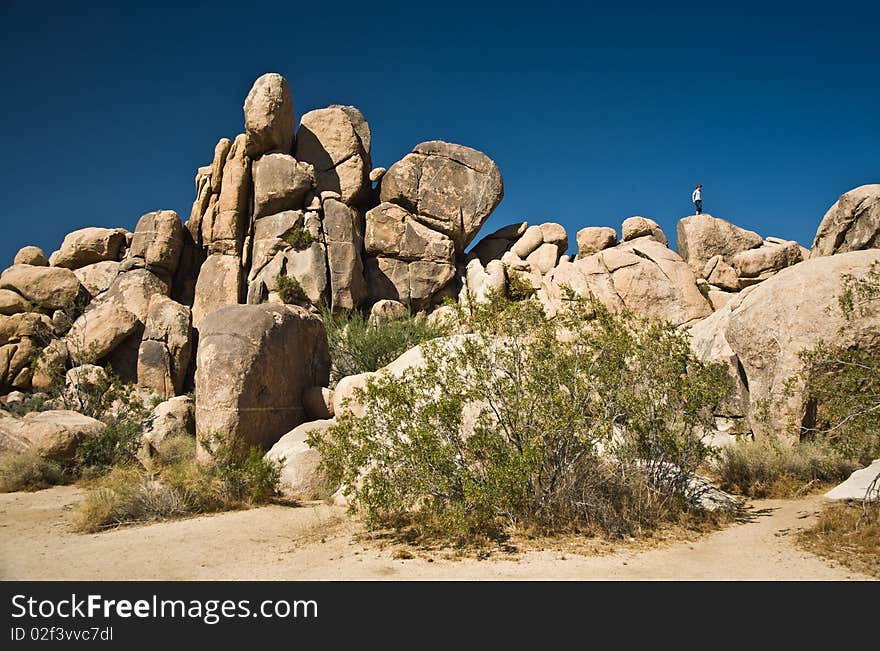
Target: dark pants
[699,204]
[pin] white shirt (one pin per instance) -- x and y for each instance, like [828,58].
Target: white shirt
[697,196]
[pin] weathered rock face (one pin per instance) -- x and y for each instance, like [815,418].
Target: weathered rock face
[254,362]
[721,274]
[394,232]
[269,116]
[166,348]
[13,303]
[386,310]
[593,239]
[32,255]
[767,259]
[88,246]
[788,313]
[449,188]
[22,336]
[174,417]
[301,475]
[50,288]
[851,224]
[219,284]
[98,277]
[642,275]
[343,228]
[494,245]
[53,434]
[701,237]
[157,243]
[336,141]
[635,227]
[281,182]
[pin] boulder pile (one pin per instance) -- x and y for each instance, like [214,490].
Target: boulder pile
[290,219]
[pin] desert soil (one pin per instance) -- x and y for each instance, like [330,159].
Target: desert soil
[320,542]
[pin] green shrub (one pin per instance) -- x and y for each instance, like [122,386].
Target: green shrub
[298,238]
[518,287]
[239,477]
[358,345]
[290,290]
[116,444]
[585,422]
[28,471]
[770,468]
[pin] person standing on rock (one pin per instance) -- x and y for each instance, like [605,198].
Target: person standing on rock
[697,198]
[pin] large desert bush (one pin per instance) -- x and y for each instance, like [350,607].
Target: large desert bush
[591,421]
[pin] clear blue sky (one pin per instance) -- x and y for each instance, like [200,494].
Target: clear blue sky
[592,116]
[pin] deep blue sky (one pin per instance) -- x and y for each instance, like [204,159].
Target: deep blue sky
[592,116]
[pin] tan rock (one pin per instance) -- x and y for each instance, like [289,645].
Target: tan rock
[708,339]
[593,239]
[484,283]
[157,242]
[32,255]
[394,232]
[544,258]
[47,287]
[530,240]
[635,227]
[721,274]
[719,298]
[54,434]
[87,246]
[221,152]
[175,417]
[166,348]
[219,284]
[281,183]
[344,234]
[376,174]
[223,229]
[385,310]
[336,141]
[789,313]
[768,258]
[269,116]
[302,476]
[254,362]
[98,277]
[554,233]
[450,188]
[702,237]
[851,224]
[13,303]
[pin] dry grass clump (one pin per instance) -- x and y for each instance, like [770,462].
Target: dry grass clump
[770,468]
[28,471]
[848,533]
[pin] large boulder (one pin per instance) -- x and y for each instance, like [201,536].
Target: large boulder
[344,236]
[638,226]
[166,347]
[219,284]
[87,246]
[450,188]
[336,141]
[858,484]
[851,224]
[281,182]
[173,418]
[32,255]
[642,275]
[786,314]
[269,116]
[157,243]
[225,222]
[51,288]
[701,237]
[593,239]
[13,303]
[254,362]
[98,277]
[767,259]
[301,474]
[394,232]
[53,434]
[411,283]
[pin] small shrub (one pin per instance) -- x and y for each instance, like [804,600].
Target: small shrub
[360,346]
[519,288]
[583,423]
[290,290]
[116,444]
[239,477]
[299,238]
[28,471]
[770,468]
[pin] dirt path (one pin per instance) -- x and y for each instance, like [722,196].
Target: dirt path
[320,542]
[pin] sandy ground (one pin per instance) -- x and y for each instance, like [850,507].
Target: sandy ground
[321,542]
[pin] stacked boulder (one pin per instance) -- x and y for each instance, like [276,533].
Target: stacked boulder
[729,258]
